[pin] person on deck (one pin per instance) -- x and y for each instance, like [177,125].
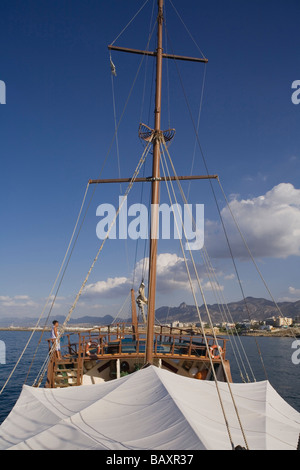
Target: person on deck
[55,338]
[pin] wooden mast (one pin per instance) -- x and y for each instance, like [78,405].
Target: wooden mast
[155,178]
[155,190]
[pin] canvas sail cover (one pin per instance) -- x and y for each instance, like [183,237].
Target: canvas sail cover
[151,409]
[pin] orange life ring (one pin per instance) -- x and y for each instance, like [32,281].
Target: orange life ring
[213,348]
[202,374]
[94,346]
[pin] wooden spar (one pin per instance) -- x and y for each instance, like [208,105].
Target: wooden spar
[155,178]
[149,179]
[134,316]
[155,191]
[153,54]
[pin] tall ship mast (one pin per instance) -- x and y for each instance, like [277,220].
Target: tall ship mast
[157,136]
[139,384]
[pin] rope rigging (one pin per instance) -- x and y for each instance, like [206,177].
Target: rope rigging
[130,21]
[48,299]
[76,225]
[205,305]
[122,308]
[38,381]
[195,127]
[213,282]
[193,278]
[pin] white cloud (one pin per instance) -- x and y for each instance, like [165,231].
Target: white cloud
[229,277]
[116,285]
[269,223]
[259,177]
[171,275]
[293,297]
[294,291]
[16,301]
[212,286]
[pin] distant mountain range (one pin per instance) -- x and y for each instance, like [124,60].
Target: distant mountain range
[252,308]
[29,322]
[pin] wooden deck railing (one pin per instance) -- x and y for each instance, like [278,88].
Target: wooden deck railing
[117,340]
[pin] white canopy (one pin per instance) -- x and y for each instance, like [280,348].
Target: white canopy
[150,409]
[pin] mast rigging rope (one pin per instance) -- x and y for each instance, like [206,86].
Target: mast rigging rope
[206,309]
[132,19]
[47,301]
[40,377]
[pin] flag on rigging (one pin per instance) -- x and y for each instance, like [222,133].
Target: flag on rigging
[113,68]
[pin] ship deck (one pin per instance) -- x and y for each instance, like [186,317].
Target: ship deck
[126,340]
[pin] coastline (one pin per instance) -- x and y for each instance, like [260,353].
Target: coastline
[279,332]
[288,333]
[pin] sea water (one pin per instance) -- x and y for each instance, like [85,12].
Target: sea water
[15,342]
[269,358]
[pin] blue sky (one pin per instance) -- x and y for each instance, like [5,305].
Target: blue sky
[58,122]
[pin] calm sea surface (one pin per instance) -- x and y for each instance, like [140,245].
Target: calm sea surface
[276,353]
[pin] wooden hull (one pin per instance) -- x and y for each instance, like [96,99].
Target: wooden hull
[107,353]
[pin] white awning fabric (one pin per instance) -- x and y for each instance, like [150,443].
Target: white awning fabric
[151,409]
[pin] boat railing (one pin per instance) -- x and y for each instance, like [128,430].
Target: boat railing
[125,339]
